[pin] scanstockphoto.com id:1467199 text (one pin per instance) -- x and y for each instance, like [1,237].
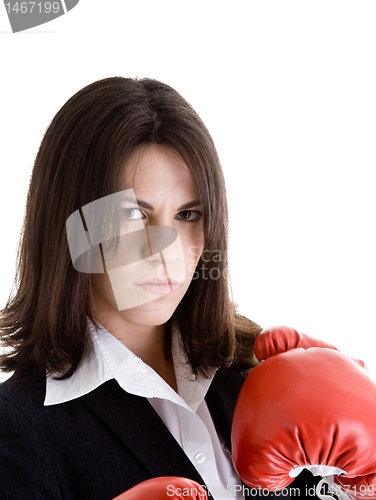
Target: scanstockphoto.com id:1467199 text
[322,490]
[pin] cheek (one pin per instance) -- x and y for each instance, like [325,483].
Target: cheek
[101,286]
[192,248]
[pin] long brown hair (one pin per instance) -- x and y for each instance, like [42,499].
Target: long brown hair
[81,158]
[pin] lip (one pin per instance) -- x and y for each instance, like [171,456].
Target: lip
[158,286]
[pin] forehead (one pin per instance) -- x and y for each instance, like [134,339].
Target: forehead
[157,170]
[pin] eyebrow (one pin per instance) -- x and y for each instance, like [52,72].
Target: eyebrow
[143,204]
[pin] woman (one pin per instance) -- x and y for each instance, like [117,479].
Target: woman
[128,360]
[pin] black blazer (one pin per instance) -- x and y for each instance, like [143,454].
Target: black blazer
[101,444]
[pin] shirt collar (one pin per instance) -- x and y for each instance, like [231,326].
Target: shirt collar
[107,358]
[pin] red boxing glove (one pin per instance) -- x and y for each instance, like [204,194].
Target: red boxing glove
[307,408]
[278,339]
[164,488]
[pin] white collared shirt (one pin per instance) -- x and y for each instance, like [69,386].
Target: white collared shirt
[185,413]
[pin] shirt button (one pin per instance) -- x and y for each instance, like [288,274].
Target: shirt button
[200,457]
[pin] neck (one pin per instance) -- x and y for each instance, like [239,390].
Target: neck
[151,343]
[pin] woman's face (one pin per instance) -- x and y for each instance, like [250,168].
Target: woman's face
[166,196]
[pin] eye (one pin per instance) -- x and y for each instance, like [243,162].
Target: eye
[186,215]
[132,214]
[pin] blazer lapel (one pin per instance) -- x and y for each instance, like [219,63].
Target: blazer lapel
[221,400]
[126,415]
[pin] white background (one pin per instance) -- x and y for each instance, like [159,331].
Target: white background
[287,89]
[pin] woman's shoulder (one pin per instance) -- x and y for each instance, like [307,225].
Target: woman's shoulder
[23,451]
[226,386]
[24,390]
[231,377]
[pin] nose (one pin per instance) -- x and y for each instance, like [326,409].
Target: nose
[159,239]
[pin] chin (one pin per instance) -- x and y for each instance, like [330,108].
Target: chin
[151,314]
